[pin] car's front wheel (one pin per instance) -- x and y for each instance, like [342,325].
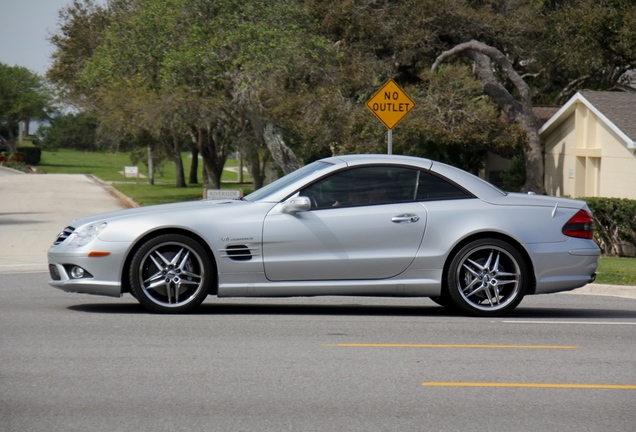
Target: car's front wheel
[170,273]
[487,277]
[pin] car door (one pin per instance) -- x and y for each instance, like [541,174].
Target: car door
[364,223]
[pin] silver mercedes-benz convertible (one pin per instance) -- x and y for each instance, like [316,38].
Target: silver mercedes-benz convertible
[358,225]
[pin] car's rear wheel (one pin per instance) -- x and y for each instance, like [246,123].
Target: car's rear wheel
[170,273]
[487,277]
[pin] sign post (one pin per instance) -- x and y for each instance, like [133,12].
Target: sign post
[390,105]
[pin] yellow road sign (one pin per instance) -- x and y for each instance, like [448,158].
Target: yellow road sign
[390,104]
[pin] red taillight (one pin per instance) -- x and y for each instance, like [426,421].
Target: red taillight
[581,225]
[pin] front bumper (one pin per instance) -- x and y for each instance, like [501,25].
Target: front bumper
[102,275]
[61,279]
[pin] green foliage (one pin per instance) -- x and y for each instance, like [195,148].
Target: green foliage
[13,162]
[24,96]
[592,40]
[71,131]
[515,176]
[81,27]
[219,70]
[452,122]
[614,228]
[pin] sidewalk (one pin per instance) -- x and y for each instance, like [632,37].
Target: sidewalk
[35,207]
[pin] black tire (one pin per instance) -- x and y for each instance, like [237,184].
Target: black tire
[445,301]
[487,278]
[170,273]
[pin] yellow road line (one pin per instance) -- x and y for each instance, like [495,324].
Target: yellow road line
[388,345]
[530,385]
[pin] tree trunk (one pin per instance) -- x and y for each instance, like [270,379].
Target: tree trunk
[251,151]
[255,165]
[518,111]
[178,162]
[214,156]
[151,167]
[11,140]
[194,165]
[284,157]
[240,168]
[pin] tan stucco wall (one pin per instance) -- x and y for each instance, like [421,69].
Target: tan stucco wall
[584,157]
[559,160]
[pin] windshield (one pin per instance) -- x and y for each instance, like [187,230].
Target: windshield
[263,193]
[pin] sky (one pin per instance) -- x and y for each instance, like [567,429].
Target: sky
[25,26]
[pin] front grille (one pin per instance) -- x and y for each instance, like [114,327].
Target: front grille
[63,235]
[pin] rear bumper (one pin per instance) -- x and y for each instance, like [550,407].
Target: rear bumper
[564,270]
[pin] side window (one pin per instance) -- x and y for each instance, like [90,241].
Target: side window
[364,186]
[431,188]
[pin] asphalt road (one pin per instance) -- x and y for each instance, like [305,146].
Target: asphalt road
[559,362]
[71,362]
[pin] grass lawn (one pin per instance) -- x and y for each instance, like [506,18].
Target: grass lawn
[109,167]
[106,166]
[616,271]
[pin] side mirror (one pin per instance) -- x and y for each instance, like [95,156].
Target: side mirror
[297,204]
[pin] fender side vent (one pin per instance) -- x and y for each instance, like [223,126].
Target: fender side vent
[238,252]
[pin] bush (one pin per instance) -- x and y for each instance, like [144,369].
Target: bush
[30,155]
[514,176]
[72,131]
[614,225]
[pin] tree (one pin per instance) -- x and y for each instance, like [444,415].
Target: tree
[556,46]
[401,39]
[455,122]
[82,25]
[518,111]
[207,71]
[24,97]
[592,44]
[294,75]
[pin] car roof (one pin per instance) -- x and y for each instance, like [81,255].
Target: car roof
[477,186]
[364,159]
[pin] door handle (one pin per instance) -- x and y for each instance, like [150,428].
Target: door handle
[405,218]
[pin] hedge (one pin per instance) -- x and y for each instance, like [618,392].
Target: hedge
[30,155]
[614,225]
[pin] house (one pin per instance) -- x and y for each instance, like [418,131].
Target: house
[590,146]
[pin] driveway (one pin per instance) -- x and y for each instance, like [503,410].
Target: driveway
[35,207]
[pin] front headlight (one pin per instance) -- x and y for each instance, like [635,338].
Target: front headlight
[86,234]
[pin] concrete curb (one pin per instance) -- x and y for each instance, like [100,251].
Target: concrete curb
[124,200]
[624,291]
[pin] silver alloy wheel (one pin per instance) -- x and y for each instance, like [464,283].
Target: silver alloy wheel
[488,278]
[170,274]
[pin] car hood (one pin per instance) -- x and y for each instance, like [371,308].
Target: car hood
[180,207]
